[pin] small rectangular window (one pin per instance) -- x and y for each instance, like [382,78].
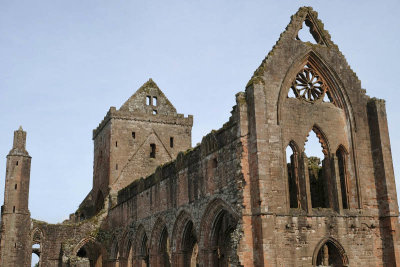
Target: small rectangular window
[171,142]
[152,151]
[154,101]
[16,186]
[133,135]
[148,100]
[154,112]
[16,163]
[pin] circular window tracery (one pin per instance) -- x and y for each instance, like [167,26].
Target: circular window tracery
[308,85]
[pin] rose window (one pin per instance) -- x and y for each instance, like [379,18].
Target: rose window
[308,85]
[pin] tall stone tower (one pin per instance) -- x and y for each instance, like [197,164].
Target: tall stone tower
[15,216]
[130,142]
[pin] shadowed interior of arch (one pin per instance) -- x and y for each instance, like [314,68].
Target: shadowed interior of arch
[330,255]
[164,248]
[144,252]
[129,261]
[189,246]
[90,255]
[222,241]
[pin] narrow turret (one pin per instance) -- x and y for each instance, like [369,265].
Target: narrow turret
[15,215]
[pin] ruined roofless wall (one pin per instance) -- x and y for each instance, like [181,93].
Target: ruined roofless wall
[199,180]
[230,197]
[209,154]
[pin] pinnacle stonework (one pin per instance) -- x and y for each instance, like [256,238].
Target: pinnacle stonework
[237,198]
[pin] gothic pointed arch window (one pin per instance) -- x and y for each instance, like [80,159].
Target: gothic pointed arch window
[141,247]
[89,252]
[317,153]
[190,246]
[330,254]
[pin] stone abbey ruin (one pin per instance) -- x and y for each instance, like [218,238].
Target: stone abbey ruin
[236,199]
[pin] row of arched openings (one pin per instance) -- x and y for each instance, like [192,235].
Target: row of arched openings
[328,252]
[321,169]
[212,243]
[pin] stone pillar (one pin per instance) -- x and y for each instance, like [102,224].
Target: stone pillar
[384,181]
[305,185]
[294,165]
[330,186]
[338,205]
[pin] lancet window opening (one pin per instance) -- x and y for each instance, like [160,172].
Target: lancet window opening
[292,164]
[327,175]
[318,169]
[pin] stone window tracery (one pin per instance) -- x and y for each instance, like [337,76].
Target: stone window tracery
[308,85]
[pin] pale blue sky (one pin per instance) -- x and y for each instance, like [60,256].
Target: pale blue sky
[64,63]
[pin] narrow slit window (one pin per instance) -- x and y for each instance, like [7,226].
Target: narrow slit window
[154,101]
[133,135]
[171,142]
[14,209]
[16,186]
[148,100]
[116,144]
[116,166]
[16,163]
[152,151]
